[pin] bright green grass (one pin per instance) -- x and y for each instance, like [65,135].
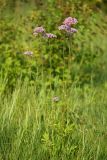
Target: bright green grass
[33,127]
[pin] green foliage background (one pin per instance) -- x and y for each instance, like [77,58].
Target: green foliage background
[88,46]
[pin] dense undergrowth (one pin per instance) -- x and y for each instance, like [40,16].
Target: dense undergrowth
[88,46]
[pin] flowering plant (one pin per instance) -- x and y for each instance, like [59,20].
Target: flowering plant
[67,26]
[68,22]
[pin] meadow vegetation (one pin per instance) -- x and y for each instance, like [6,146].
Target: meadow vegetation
[53,103]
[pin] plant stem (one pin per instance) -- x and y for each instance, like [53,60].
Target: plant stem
[50,61]
[69,58]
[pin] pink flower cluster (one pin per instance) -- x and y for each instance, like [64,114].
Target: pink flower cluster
[41,30]
[50,35]
[68,22]
[66,26]
[38,30]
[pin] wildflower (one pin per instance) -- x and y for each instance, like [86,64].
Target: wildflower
[55,99]
[72,30]
[38,30]
[70,21]
[30,53]
[50,35]
[64,27]
[67,28]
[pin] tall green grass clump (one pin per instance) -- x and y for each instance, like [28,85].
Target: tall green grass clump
[62,124]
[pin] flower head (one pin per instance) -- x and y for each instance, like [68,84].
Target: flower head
[70,21]
[64,27]
[72,30]
[67,28]
[50,35]
[38,30]
[30,53]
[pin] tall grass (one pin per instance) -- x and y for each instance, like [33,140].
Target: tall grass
[33,126]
